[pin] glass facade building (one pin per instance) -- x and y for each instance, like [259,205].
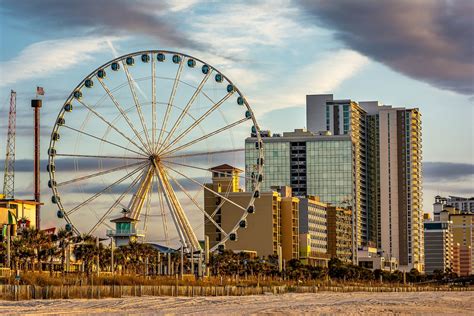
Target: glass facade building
[277,164]
[329,170]
[311,164]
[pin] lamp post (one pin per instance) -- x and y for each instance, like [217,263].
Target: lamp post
[112,255]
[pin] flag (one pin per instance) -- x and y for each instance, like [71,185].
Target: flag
[39,91]
[11,218]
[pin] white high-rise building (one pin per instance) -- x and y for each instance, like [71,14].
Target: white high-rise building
[389,144]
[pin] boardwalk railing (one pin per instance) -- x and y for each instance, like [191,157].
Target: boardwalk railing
[27,292]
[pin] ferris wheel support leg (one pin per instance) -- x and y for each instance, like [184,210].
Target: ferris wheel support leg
[136,203]
[181,221]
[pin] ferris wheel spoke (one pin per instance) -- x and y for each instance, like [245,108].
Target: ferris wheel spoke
[162,209]
[204,137]
[186,109]
[171,99]
[199,168]
[97,174]
[153,103]
[114,205]
[199,120]
[122,111]
[131,84]
[111,125]
[197,205]
[204,153]
[103,140]
[206,188]
[95,196]
[101,157]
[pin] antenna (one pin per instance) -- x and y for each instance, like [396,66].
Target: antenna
[9,175]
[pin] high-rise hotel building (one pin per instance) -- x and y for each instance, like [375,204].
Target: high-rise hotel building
[346,117]
[363,155]
[387,150]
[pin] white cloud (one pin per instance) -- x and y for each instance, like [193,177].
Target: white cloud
[41,59]
[322,76]
[180,5]
[236,32]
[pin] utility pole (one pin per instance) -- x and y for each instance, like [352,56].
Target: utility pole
[98,256]
[36,105]
[169,264]
[8,247]
[206,254]
[192,260]
[181,263]
[112,255]
[280,259]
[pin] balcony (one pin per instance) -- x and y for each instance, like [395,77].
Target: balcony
[125,232]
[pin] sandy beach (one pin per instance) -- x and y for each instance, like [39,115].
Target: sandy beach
[459,303]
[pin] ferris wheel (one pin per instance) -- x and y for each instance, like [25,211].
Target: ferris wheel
[137,144]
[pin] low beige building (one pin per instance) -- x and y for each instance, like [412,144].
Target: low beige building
[313,231]
[289,210]
[23,211]
[463,238]
[463,234]
[273,224]
[339,233]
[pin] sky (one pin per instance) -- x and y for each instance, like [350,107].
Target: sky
[403,53]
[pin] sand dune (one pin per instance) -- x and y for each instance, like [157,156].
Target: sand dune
[460,303]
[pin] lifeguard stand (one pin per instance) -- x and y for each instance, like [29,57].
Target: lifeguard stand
[125,230]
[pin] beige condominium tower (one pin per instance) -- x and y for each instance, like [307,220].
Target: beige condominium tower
[387,155]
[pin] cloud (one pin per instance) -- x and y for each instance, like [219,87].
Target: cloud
[181,5]
[188,185]
[105,17]
[233,43]
[322,76]
[446,178]
[84,164]
[430,41]
[41,59]
[447,171]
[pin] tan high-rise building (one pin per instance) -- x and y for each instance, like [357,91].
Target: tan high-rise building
[401,218]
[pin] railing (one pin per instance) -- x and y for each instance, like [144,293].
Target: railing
[125,232]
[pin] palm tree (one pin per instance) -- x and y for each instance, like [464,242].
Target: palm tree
[38,241]
[86,251]
[64,240]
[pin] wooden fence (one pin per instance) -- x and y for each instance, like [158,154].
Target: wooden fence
[27,292]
